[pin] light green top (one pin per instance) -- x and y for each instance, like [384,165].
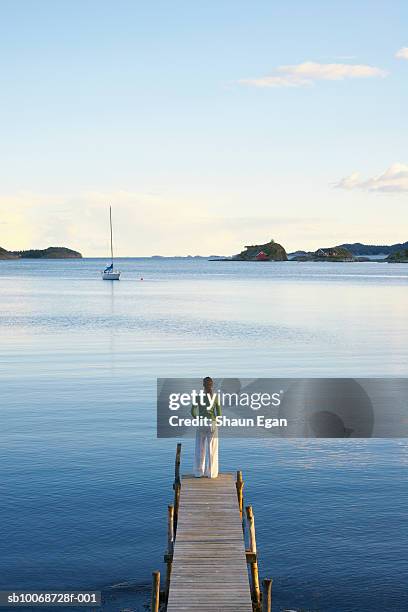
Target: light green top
[202,409]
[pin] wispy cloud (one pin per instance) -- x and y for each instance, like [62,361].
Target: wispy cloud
[394,179]
[402,53]
[307,73]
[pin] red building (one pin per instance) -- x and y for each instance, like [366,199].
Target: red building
[261,256]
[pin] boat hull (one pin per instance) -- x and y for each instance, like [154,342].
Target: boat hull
[112,276]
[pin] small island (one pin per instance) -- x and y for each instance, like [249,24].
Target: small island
[273,251]
[398,257]
[357,252]
[270,251]
[49,253]
[326,254]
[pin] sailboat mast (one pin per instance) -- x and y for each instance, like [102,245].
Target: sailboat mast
[110,221]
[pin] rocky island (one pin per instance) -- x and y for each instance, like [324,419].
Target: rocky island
[49,253]
[270,251]
[325,254]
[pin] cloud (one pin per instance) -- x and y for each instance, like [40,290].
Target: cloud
[402,53]
[394,179]
[307,73]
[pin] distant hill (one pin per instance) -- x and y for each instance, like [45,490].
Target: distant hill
[49,253]
[398,257]
[299,253]
[357,248]
[6,254]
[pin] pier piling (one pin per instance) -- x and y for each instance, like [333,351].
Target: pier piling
[240,492]
[267,595]
[170,529]
[253,559]
[168,557]
[177,486]
[155,591]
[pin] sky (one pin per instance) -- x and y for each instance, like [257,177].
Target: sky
[206,125]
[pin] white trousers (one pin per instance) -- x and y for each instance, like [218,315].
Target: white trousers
[206,452]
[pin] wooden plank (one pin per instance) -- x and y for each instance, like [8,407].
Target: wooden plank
[209,570]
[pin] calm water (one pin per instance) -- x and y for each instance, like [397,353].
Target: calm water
[84,483]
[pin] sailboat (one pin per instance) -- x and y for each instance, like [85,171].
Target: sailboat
[109,273]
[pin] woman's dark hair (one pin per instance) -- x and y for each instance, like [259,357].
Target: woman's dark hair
[207,379]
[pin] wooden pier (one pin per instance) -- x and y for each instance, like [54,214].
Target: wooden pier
[209,565]
[206,555]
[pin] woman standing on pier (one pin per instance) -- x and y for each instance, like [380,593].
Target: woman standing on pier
[206,446]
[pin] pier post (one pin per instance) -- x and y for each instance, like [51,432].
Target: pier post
[168,557]
[170,529]
[177,485]
[256,592]
[267,595]
[240,492]
[155,591]
[177,464]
